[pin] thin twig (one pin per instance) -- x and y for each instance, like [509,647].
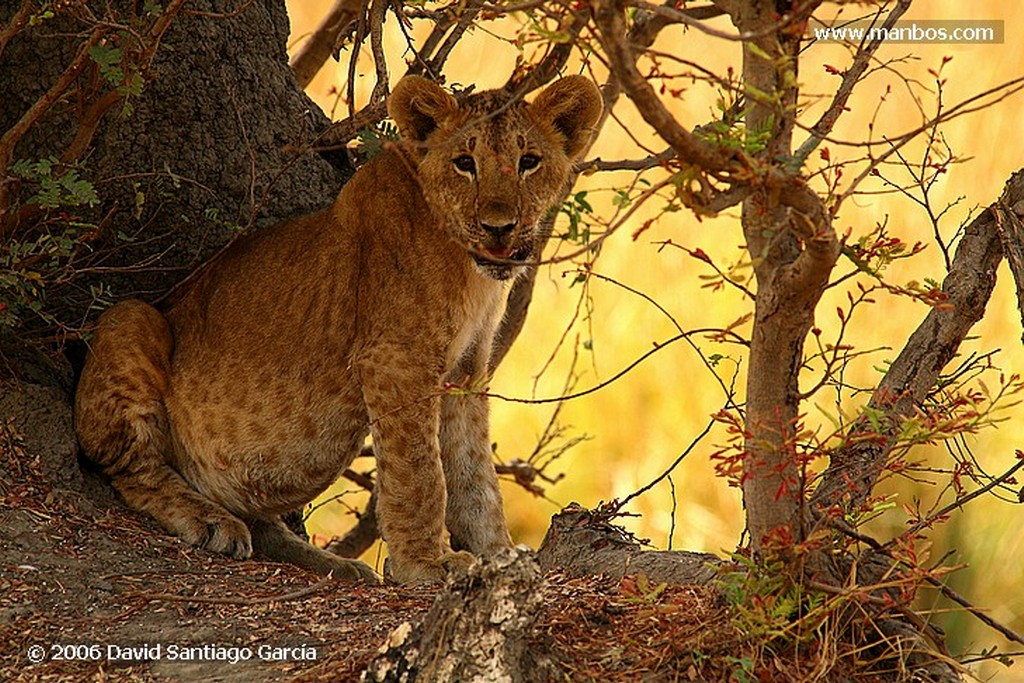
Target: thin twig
[966,106]
[851,77]
[601,385]
[675,463]
[652,161]
[948,592]
[961,501]
[16,23]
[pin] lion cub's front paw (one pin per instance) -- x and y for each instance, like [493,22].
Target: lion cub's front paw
[354,570]
[417,571]
[221,533]
[457,562]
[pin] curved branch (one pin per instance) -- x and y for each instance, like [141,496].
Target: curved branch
[49,98]
[16,23]
[808,275]
[855,468]
[610,18]
[309,59]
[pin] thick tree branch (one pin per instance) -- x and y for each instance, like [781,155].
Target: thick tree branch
[783,315]
[16,23]
[610,18]
[467,16]
[1011,235]
[323,41]
[855,468]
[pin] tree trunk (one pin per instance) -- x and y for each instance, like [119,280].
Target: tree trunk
[208,149]
[213,145]
[478,629]
[792,245]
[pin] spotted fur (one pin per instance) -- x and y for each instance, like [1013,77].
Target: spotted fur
[250,393]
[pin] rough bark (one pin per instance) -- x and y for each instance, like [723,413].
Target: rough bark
[480,625]
[1011,236]
[478,629]
[792,243]
[210,147]
[855,468]
[582,542]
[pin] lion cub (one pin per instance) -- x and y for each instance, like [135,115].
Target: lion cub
[256,387]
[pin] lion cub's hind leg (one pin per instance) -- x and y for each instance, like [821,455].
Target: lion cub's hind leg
[275,541]
[123,427]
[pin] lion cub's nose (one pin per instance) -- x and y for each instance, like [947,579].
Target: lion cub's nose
[499,231]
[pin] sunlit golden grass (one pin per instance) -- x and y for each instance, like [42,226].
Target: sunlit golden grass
[641,422]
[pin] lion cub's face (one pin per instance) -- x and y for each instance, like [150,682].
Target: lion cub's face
[490,166]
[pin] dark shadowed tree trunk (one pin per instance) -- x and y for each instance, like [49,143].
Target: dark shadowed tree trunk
[216,143]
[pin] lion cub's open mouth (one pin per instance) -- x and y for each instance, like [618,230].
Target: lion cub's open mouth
[485,256]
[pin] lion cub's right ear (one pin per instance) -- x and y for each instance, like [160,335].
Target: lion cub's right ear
[419,107]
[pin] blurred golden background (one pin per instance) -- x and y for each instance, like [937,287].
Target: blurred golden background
[640,423]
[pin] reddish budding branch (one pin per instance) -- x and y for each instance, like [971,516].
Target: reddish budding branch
[794,247]
[93,106]
[855,468]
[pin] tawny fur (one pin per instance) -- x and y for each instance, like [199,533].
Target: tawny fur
[250,393]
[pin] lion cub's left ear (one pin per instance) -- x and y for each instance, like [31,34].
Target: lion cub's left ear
[572,105]
[419,107]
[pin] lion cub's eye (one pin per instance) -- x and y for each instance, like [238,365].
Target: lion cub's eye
[528,162]
[465,163]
